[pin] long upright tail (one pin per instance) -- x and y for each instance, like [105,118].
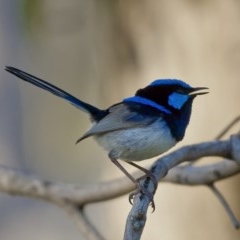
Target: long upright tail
[95,113]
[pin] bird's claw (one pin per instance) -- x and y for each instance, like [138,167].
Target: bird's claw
[142,190]
[148,194]
[131,197]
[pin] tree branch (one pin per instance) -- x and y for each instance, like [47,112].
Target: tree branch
[72,197]
[226,149]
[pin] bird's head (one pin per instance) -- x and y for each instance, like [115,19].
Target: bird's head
[168,95]
[173,98]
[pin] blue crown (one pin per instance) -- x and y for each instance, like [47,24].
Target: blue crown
[165,82]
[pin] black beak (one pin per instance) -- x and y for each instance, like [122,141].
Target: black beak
[194,92]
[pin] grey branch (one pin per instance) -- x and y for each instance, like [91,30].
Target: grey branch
[226,206]
[207,175]
[72,198]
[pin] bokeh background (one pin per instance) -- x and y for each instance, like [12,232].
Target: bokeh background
[102,51]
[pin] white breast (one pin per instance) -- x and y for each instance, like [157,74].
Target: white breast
[136,144]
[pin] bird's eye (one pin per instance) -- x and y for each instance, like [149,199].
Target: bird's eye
[181,91]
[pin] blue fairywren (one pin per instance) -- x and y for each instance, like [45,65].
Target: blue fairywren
[139,127]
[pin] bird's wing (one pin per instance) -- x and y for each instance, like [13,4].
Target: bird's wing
[119,117]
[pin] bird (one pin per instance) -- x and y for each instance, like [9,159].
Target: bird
[137,128]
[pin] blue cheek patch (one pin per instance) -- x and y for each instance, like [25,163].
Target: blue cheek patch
[148,102]
[177,100]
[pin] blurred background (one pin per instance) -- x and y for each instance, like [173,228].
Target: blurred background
[101,52]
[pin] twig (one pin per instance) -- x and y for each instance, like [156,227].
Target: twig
[227,128]
[221,134]
[225,205]
[202,175]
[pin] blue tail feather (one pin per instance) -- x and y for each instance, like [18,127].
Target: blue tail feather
[95,113]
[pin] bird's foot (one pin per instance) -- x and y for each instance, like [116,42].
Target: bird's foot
[149,177]
[142,189]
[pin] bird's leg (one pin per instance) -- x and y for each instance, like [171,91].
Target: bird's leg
[136,181]
[115,161]
[147,174]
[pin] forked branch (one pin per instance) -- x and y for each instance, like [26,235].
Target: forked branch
[73,198]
